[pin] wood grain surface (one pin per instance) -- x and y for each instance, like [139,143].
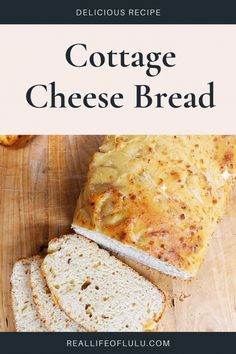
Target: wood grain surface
[39,185]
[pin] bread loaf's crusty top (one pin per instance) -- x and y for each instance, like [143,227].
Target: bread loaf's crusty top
[161,194]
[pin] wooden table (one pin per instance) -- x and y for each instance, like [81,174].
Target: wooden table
[39,185]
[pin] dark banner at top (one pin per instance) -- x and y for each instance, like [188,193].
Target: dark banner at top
[118,12]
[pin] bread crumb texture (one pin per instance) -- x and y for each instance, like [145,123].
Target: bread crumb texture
[54,318]
[97,290]
[161,194]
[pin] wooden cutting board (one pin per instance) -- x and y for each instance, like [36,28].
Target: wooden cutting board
[39,185]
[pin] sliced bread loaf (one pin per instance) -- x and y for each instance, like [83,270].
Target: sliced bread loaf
[26,316]
[54,318]
[158,199]
[97,290]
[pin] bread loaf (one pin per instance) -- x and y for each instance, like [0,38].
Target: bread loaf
[158,199]
[15,140]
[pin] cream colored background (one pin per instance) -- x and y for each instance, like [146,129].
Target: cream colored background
[33,54]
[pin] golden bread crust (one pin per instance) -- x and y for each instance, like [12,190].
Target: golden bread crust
[161,194]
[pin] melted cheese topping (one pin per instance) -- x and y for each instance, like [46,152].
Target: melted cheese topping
[161,194]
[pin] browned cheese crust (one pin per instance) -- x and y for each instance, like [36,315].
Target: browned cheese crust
[161,194]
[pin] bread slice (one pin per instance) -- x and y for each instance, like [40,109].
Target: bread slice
[158,199]
[54,318]
[26,316]
[97,290]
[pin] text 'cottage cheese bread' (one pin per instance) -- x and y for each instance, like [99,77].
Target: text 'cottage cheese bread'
[54,318]
[26,316]
[157,199]
[97,290]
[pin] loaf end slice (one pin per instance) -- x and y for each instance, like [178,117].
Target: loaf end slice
[97,290]
[26,316]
